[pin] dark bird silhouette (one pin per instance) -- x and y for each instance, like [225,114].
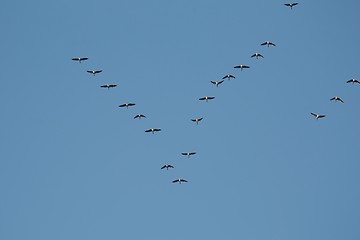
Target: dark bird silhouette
[217,83]
[108,86]
[353,81]
[127,105]
[152,130]
[228,76]
[79,59]
[268,44]
[197,120]
[317,116]
[167,166]
[179,180]
[257,55]
[336,99]
[206,98]
[291,5]
[188,154]
[94,71]
[241,67]
[139,116]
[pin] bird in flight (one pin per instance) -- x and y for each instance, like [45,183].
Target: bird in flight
[268,44]
[94,71]
[317,116]
[179,180]
[197,120]
[291,5]
[152,130]
[127,105]
[336,99]
[353,81]
[228,76]
[188,154]
[167,166]
[206,98]
[79,59]
[108,86]
[257,55]
[241,67]
[139,116]
[217,83]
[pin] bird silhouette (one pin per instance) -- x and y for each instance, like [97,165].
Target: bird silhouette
[127,105]
[79,59]
[353,81]
[241,67]
[268,44]
[153,130]
[93,72]
[167,166]
[257,55]
[228,76]
[336,99]
[188,154]
[217,83]
[108,86]
[291,5]
[317,116]
[197,120]
[179,180]
[206,98]
[139,116]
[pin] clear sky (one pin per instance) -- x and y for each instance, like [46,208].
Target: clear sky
[73,165]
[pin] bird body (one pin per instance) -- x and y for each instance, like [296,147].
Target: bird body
[317,116]
[336,99]
[108,86]
[241,67]
[79,59]
[153,130]
[127,105]
[93,72]
[179,180]
[217,83]
[257,55]
[197,120]
[228,76]
[268,43]
[206,98]
[167,166]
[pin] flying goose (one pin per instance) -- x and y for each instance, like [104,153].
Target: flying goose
[241,67]
[179,180]
[206,98]
[94,71]
[228,76]
[268,44]
[257,55]
[108,86]
[217,83]
[197,120]
[188,154]
[336,99]
[317,116]
[291,5]
[167,166]
[353,81]
[152,130]
[79,59]
[127,105]
[139,116]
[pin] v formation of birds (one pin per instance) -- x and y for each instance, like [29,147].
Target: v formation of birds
[207,98]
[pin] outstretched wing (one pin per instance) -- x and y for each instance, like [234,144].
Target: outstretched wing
[203,98]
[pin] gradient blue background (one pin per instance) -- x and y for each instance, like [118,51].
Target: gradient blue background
[75,166]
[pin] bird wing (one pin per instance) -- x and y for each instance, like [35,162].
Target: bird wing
[332,98]
[183,180]
[225,77]
[83,59]
[200,119]
[157,130]
[149,130]
[175,181]
[339,99]
[315,115]
[287,4]
[192,153]
[98,71]
[263,43]
[210,97]
[184,154]
[131,104]
[122,105]
[163,167]
[321,116]
[112,85]
[170,166]
[104,86]
[213,82]
[221,82]
[203,98]
[231,76]
[90,71]
[254,55]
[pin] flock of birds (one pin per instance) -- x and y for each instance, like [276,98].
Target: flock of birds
[206,98]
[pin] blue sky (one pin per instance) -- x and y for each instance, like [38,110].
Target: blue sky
[75,166]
